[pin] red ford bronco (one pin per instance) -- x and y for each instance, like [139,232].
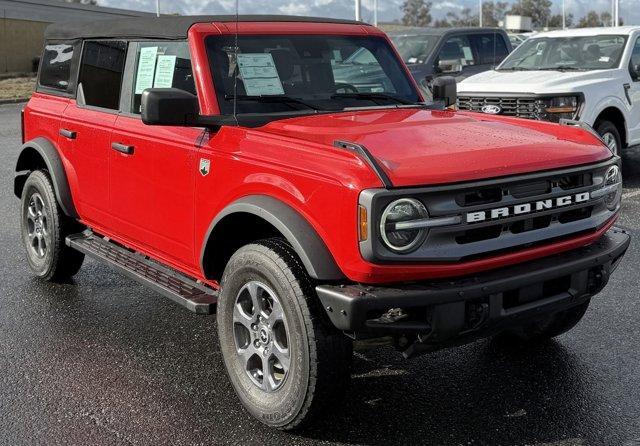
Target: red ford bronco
[247,164]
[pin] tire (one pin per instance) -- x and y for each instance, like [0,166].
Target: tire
[609,132]
[544,329]
[319,356]
[43,229]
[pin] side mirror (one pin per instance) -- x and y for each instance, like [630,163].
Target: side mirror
[169,106]
[635,72]
[449,66]
[445,90]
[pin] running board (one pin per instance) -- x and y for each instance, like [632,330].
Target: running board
[189,293]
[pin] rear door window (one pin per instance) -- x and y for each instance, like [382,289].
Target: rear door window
[457,50]
[161,65]
[55,70]
[491,48]
[101,72]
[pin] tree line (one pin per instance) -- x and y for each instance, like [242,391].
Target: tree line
[418,13]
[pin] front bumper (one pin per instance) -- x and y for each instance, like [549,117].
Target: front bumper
[479,305]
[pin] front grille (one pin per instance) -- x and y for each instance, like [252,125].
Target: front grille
[500,231]
[530,190]
[521,107]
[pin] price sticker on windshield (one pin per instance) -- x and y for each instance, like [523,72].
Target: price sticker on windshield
[259,74]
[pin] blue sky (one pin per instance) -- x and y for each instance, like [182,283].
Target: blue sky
[388,9]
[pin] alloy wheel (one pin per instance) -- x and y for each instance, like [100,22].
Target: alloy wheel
[611,142]
[38,233]
[261,336]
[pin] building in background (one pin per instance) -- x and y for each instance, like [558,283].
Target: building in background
[22,24]
[517,23]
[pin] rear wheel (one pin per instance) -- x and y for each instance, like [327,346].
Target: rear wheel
[44,228]
[284,359]
[549,326]
[610,135]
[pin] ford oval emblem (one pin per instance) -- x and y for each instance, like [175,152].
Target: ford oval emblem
[491,109]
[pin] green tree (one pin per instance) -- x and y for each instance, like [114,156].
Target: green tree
[593,19]
[493,13]
[416,13]
[465,18]
[538,10]
[556,21]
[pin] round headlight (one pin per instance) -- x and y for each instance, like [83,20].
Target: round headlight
[396,230]
[613,181]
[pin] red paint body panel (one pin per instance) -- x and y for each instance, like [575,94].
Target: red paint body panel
[421,147]
[157,202]
[89,156]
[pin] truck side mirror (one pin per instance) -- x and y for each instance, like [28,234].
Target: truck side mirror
[449,66]
[635,72]
[445,90]
[169,106]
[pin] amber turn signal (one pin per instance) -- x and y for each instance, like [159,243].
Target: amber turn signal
[363,223]
[568,109]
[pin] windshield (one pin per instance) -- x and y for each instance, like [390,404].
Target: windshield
[275,74]
[415,49]
[567,53]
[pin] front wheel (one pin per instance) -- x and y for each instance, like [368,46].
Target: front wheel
[284,359]
[610,135]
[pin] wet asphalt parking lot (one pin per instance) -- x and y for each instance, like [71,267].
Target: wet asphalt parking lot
[104,361]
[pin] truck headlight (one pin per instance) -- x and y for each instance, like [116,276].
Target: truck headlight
[560,107]
[400,225]
[613,187]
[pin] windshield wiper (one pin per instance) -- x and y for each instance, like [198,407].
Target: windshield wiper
[513,69]
[561,68]
[375,97]
[271,99]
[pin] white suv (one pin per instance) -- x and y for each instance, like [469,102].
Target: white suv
[589,75]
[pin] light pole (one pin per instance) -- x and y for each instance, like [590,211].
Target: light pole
[564,15]
[358,18]
[375,12]
[158,8]
[480,13]
[616,15]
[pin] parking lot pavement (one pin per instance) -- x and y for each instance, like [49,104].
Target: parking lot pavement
[103,361]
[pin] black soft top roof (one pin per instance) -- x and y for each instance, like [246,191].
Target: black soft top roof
[174,27]
[417,31]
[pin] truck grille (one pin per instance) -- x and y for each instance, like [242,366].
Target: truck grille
[521,107]
[573,211]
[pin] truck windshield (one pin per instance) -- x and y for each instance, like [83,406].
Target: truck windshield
[566,54]
[415,48]
[279,74]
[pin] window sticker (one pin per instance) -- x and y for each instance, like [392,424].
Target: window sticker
[146,68]
[259,74]
[165,68]
[605,59]
[468,55]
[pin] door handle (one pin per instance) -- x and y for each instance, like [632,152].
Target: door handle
[70,134]
[122,148]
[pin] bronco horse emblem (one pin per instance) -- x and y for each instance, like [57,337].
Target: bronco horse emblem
[205,166]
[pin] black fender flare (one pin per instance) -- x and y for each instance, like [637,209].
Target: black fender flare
[313,252]
[51,157]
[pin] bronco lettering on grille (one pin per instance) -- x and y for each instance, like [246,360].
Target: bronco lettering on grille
[527,208]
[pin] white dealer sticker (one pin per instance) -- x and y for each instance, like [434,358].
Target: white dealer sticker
[259,74]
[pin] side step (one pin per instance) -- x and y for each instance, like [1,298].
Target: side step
[181,289]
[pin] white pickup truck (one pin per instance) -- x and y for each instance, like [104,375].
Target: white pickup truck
[587,75]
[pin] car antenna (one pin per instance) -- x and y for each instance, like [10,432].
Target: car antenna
[236,69]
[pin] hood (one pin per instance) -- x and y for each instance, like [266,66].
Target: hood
[534,82]
[423,147]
